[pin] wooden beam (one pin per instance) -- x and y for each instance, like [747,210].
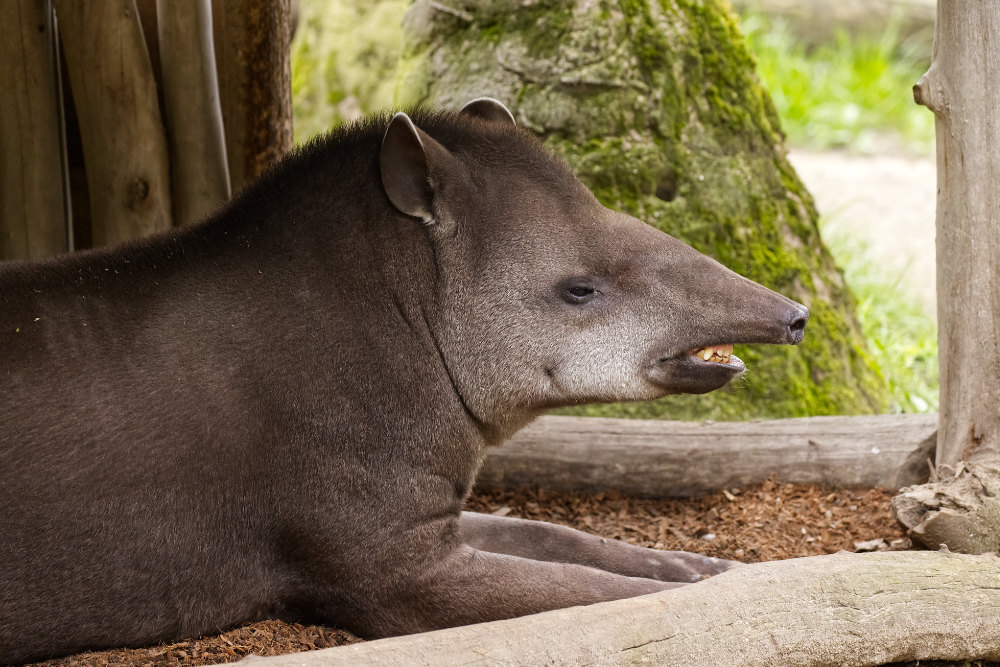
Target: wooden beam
[845,609]
[33,219]
[663,458]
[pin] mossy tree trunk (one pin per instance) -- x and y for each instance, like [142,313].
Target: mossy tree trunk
[656,105]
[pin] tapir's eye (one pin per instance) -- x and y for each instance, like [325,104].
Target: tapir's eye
[576,292]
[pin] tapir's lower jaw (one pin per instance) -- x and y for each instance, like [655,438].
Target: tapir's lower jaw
[688,374]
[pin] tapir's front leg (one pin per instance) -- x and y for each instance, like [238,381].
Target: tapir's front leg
[471,586]
[543,541]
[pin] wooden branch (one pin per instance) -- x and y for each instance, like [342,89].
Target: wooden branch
[845,609]
[32,202]
[199,170]
[124,143]
[663,458]
[252,48]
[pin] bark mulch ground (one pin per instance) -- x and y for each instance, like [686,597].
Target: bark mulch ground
[766,522]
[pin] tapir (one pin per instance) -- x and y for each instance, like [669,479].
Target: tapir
[279,411]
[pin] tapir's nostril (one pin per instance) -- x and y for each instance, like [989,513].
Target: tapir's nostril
[797,327]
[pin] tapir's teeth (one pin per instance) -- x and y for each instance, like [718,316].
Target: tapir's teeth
[716,353]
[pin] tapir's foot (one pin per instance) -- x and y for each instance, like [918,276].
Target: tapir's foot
[696,565]
[548,542]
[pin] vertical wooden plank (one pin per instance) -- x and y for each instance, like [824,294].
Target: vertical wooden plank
[252,41]
[124,142]
[32,201]
[199,169]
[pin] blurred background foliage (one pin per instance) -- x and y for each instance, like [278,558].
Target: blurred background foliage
[852,91]
[344,59]
[846,89]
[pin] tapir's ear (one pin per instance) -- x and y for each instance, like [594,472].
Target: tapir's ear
[490,109]
[412,163]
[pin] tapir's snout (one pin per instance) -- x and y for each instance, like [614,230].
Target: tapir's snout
[724,309]
[756,314]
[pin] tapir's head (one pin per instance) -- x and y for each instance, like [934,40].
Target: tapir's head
[547,298]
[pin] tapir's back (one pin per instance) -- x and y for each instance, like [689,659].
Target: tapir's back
[107,461]
[165,404]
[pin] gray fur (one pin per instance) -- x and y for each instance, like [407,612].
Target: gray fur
[281,410]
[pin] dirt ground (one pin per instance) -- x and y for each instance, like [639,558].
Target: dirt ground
[766,522]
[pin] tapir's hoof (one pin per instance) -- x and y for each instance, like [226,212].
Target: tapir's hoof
[684,566]
[714,566]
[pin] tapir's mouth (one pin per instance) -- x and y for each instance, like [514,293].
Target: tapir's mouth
[699,370]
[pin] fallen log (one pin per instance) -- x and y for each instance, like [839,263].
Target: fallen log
[643,458]
[843,609]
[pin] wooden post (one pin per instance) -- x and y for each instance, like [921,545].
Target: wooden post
[124,143]
[961,88]
[252,40]
[33,219]
[199,171]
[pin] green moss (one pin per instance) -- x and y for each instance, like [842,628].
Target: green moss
[656,106]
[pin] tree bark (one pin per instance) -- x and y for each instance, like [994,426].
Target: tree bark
[199,170]
[124,143]
[845,609]
[655,105]
[960,88]
[252,40]
[33,213]
[660,459]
